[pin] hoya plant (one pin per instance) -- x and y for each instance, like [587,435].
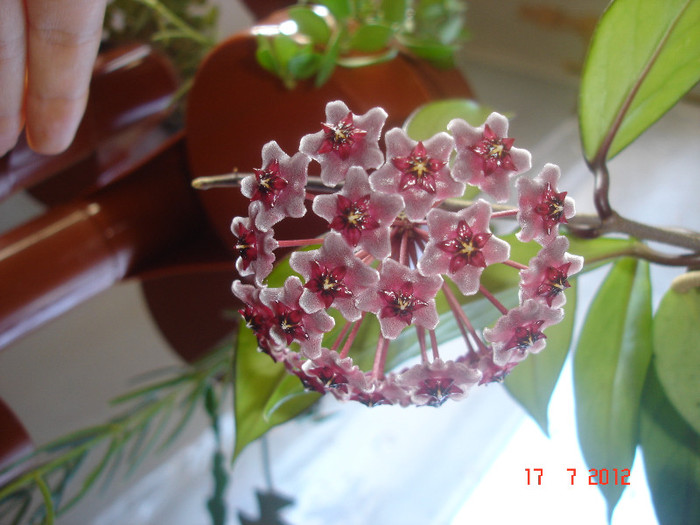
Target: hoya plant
[421,246]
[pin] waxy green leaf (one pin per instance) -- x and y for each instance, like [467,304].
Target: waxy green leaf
[256,378]
[610,366]
[677,352]
[601,250]
[644,56]
[340,9]
[371,38]
[532,382]
[671,451]
[310,24]
[394,11]
[433,117]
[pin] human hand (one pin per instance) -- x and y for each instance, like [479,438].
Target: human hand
[47,50]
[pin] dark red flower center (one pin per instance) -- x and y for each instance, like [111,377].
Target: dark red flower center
[418,169]
[466,247]
[352,218]
[270,184]
[371,399]
[341,137]
[551,208]
[438,390]
[331,377]
[259,319]
[401,303]
[328,283]
[555,282]
[245,245]
[526,336]
[290,322]
[494,152]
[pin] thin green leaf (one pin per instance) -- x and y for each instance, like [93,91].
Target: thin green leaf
[91,478]
[671,451]
[152,389]
[24,497]
[532,382]
[190,403]
[67,474]
[116,462]
[433,117]
[644,56]
[610,366]
[677,352]
[137,459]
[137,444]
[48,501]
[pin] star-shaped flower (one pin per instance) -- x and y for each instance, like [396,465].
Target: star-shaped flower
[404,297]
[542,208]
[334,277]
[461,245]
[258,317]
[361,215]
[548,272]
[253,247]
[417,171]
[434,383]
[380,391]
[291,322]
[277,190]
[346,140]
[520,331]
[485,157]
[330,373]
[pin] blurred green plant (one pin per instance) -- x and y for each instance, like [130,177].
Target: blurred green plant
[58,475]
[185,30]
[354,33]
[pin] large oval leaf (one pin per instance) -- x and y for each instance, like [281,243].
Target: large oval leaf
[256,380]
[677,352]
[433,117]
[610,366]
[671,456]
[644,56]
[532,382]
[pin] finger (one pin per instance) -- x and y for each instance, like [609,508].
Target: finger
[63,39]
[12,63]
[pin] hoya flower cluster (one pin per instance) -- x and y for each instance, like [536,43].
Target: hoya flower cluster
[396,247]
